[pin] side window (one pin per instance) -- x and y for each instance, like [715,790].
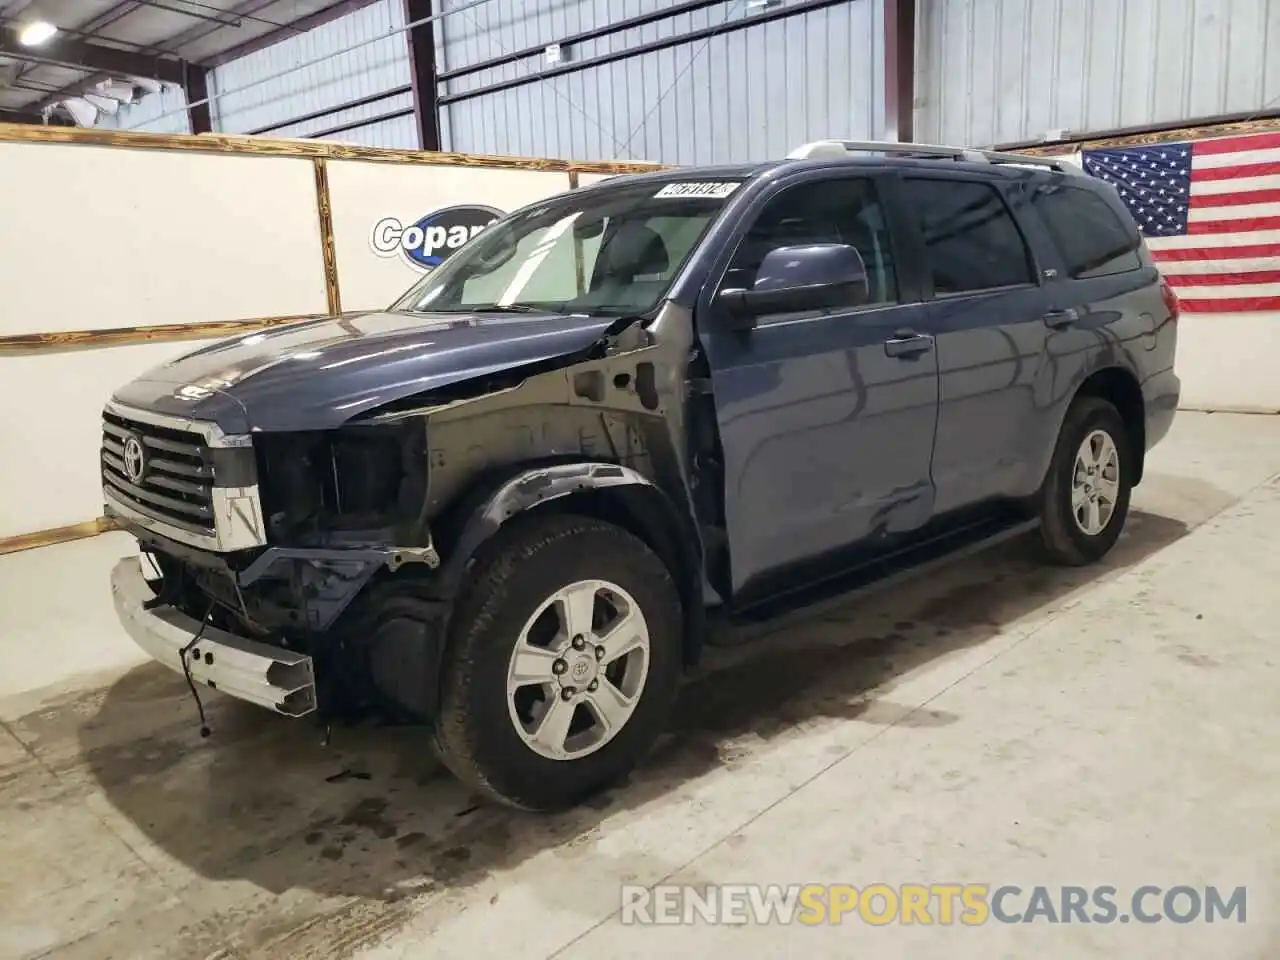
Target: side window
[1093,240]
[828,211]
[971,237]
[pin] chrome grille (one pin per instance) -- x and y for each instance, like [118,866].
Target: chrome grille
[175,486]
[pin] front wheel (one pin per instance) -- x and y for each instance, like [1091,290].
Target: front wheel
[563,662]
[1085,497]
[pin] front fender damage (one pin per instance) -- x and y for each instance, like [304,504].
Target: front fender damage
[609,422]
[373,603]
[612,416]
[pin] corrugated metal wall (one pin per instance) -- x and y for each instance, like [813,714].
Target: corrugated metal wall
[379,67]
[988,71]
[1000,71]
[750,94]
[156,113]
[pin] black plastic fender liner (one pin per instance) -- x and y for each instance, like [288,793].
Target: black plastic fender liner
[665,525]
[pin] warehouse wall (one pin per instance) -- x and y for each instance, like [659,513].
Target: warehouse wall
[1000,71]
[376,69]
[217,203]
[752,93]
[156,113]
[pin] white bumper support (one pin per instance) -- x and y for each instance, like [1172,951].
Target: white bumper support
[280,680]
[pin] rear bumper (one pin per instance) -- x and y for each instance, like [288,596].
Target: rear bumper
[1160,395]
[280,680]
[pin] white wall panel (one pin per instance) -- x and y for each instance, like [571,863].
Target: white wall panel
[176,237]
[1231,379]
[51,429]
[154,237]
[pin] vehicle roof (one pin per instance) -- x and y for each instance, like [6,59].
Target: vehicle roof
[730,171]
[751,171]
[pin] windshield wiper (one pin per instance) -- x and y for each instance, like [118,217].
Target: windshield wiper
[508,308]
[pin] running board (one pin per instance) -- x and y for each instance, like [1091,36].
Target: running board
[875,575]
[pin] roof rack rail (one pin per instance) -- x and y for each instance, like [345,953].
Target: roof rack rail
[833,149]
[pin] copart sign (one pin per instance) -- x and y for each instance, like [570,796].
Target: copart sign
[430,240]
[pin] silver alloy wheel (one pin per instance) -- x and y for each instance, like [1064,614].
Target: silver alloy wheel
[1095,483]
[578,670]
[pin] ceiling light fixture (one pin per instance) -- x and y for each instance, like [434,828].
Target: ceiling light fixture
[36,33]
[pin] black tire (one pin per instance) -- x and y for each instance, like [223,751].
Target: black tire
[524,566]
[1064,541]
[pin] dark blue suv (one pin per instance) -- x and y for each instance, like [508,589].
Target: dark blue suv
[632,419]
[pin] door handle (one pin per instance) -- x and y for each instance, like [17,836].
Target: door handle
[907,344]
[1061,318]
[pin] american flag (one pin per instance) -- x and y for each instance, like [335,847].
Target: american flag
[1210,211]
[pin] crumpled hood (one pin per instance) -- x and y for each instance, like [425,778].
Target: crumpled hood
[319,374]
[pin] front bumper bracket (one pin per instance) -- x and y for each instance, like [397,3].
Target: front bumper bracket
[278,679]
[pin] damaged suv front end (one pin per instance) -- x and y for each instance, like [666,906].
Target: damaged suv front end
[309,501]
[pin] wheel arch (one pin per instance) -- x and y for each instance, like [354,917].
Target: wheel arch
[600,489]
[1119,387]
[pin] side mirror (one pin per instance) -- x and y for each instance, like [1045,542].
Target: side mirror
[815,276]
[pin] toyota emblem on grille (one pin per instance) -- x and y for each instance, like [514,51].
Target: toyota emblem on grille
[135,459]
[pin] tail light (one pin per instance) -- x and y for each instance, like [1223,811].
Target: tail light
[1170,300]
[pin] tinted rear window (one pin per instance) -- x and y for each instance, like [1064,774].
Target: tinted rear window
[1092,238]
[971,237]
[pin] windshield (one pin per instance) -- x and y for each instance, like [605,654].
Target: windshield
[597,252]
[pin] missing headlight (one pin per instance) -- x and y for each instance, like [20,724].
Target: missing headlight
[354,478]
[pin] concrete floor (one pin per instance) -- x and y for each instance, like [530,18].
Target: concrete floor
[1000,723]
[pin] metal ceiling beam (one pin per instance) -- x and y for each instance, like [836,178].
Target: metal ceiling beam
[92,57]
[119,11]
[899,70]
[422,71]
[272,37]
[183,12]
[196,89]
[111,15]
[15,7]
[213,14]
[359,45]
[246,9]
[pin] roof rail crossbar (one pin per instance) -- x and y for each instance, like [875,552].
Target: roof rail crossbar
[839,148]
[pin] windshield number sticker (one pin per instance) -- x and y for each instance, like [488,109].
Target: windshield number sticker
[715,190]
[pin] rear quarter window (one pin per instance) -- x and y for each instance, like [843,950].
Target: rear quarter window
[1091,236]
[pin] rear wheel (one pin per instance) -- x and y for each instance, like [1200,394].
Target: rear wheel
[563,663]
[1085,497]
